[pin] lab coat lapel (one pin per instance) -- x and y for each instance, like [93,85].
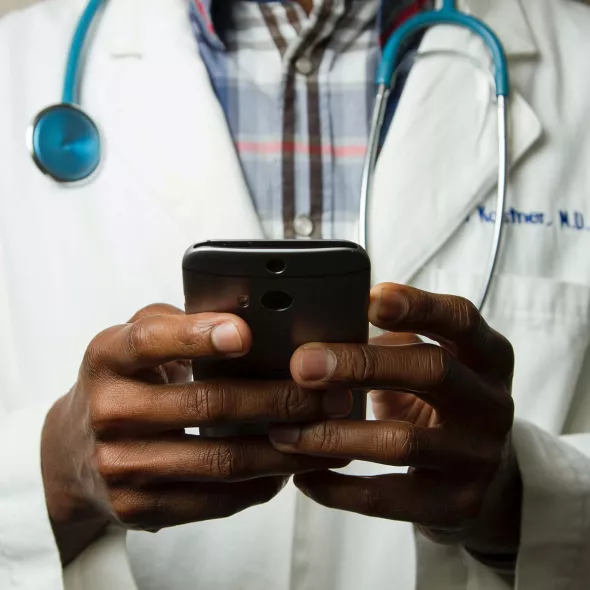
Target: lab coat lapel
[440,158]
[163,124]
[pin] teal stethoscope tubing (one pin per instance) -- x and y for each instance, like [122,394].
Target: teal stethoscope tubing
[448,14]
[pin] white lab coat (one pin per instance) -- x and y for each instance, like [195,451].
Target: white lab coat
[76,260]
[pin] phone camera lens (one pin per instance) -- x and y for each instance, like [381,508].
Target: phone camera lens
[243,301]
[276,301]
[276,266]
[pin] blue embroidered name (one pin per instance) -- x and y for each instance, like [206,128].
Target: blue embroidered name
[572,220]
[512,216]
[568,220]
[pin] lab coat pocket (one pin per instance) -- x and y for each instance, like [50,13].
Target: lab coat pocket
[547,322]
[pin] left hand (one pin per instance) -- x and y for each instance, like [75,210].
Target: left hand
[445,411]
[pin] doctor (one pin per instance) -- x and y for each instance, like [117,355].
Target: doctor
[253,126]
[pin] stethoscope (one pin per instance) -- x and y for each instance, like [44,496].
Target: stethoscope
[65,142]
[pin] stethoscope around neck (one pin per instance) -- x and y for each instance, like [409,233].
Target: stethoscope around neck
[65,142]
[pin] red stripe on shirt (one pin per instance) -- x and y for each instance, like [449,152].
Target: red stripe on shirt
[278,147]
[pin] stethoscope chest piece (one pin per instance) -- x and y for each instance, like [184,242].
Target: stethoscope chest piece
[65,143]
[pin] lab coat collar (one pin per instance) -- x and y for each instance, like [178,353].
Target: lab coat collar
[508,20]
[163,126]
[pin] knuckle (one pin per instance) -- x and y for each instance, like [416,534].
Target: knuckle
[107,462]
[92,361]
[126,511]
[471,320]
[375,501]
[397,446]
[138,337]
[423,306]
[326,438]
[113,465]
[105,415]
[94,356]
[364,365]
[136,511]
[438,364]
[206,404]
[213,402]
[190,406]
[194,336]
[222,462]
[291,401]
[465,316]
[427,306]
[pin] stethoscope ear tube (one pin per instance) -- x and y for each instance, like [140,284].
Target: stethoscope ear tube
[379,110]
[502,186]
[386,78]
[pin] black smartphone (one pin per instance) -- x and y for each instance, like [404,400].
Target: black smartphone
[289,292]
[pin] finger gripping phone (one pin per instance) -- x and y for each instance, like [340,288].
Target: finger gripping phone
[289,292]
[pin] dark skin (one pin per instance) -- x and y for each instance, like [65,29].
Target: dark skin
[114,448]
[444,411]
[307,5]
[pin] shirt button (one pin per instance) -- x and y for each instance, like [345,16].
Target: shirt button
[303,226]
[304,65]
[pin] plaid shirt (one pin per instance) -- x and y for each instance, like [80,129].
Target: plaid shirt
[297,92]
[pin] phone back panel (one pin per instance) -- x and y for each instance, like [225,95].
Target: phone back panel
[289,293]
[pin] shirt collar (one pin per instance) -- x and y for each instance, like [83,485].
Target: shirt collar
[506,17]
[213,18]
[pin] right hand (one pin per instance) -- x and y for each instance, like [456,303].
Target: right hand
[114,448]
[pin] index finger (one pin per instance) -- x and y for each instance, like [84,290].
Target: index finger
[448,319]
[154,340]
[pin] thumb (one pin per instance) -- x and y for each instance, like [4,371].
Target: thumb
[175,371]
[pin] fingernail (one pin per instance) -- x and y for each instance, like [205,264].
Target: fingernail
[285,436]
[392,305]
[226,338]
[316,365]
[337,403]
